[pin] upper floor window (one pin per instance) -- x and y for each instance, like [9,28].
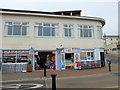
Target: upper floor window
[85,30]
[68,28]
[99,31]
[46,29]
[16,28]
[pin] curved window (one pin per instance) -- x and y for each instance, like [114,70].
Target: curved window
[99,31]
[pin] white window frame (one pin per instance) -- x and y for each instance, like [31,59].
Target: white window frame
[12,25]
[69,26]
[89,27]
[39,24]
[99,32]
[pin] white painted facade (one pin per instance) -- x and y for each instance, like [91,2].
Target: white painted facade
[52,43]
[31,40]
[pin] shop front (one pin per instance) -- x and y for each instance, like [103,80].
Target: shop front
[59,59]
[72,58]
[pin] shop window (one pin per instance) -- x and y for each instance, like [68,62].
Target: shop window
[86,56]
[16,28]
[85,30]
[69,60]
[83,56]
[15,56]
[46,29]
[68,30]
[69,57]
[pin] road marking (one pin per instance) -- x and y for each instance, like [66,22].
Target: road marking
[17,86]
[20,80]
[113,87]
[84,76]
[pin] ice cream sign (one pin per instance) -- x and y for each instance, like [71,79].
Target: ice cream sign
[69,50]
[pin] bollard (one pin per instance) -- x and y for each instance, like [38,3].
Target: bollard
[109,64]
[53,81]
[45,70]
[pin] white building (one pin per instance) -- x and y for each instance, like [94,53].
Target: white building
[51,35]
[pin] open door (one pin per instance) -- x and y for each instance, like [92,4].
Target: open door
[102,58]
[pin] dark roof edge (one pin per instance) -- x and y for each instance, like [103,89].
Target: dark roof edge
[27,11]
[42,12]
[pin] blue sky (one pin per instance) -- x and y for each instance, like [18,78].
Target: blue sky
[106,9]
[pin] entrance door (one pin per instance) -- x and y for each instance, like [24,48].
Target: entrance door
[43,57]
[102,57]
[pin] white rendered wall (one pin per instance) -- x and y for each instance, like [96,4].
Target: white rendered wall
[50,42]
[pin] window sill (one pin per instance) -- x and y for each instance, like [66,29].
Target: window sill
[14,36]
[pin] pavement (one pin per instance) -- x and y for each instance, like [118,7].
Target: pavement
[39,74]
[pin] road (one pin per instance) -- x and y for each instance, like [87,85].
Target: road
[103,80]
[114,59]
[24,84]
[92,81]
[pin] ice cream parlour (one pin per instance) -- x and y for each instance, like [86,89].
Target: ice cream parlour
[76,58]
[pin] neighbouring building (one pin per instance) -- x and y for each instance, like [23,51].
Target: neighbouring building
[58,39]
[112,44]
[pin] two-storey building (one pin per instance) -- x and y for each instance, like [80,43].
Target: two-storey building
[58,38]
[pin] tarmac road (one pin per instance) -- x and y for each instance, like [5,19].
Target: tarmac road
[113,59]
[90,81]
[93,80]
[24,85]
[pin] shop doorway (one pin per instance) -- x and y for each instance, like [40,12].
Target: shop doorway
[45,58]
[69,60]
[102,56]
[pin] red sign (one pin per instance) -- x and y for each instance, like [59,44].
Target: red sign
[15,53]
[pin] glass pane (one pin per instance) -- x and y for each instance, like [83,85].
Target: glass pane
[69,32]
[80,26]
[66,32]
[46,31]
[9,30]
[90,34]
[39,31]
[24,30]
[70,26]
[92,54]
[54,25]
[88,54]
[81,33]
[38,24]
[45,24]
[85,33]
[53,31]
[65,25]
[17,23]
[8,23]
[85,26]
[17,30]
[25,23]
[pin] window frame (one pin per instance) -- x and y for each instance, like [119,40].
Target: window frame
[13,24]
[43,26]
[69,27]
[99,32]
[81,31]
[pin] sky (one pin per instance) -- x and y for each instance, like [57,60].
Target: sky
[106,9]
